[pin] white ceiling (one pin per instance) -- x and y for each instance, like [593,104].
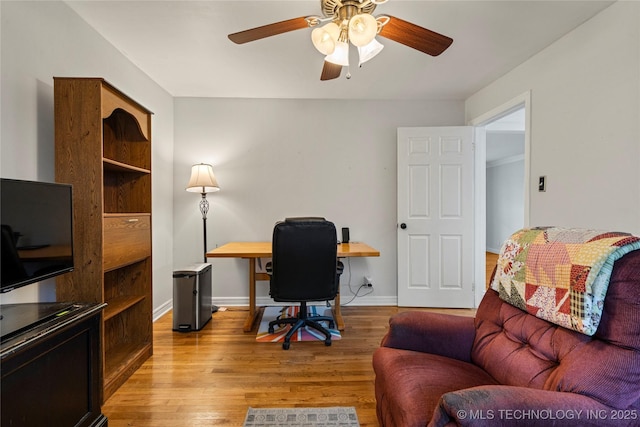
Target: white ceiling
[183,46]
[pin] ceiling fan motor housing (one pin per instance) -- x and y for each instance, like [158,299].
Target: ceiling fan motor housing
[345,9]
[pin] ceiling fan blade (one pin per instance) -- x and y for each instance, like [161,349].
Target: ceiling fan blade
[414,36]
[330,71]
[269,30]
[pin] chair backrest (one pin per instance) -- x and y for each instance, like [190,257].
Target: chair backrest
[519,349]
[304,260]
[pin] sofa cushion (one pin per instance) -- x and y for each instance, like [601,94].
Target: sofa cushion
[436,333]
[505,406]
[522,350]
[620,324]
[410,383]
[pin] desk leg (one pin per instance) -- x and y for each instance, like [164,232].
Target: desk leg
[337,315]
[253,314]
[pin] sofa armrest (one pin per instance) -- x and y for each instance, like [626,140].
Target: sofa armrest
[515,406]
[442,334]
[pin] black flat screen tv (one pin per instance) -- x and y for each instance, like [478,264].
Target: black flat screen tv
[37,231]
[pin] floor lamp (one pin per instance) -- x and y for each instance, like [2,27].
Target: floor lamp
[203,181]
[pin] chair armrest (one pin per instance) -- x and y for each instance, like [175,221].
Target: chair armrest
[516,406]
[442,334]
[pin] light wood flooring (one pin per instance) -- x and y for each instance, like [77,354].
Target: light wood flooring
[211,377]
[491,260]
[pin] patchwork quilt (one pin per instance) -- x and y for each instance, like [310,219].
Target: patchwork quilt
[560,274]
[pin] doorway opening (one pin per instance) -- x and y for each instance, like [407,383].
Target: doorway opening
[504,169]
[502,158]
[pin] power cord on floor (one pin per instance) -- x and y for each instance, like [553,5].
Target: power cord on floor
[355,294]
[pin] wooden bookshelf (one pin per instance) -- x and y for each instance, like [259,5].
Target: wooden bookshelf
[103,148]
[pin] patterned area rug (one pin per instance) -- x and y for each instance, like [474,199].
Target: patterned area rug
[337,416]
[303,334]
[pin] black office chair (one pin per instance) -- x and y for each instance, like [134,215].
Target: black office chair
[304,268]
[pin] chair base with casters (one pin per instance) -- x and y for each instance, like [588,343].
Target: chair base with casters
[301,320]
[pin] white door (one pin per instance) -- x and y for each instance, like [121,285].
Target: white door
[435,217]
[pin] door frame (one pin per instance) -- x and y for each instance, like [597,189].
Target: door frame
[480,181]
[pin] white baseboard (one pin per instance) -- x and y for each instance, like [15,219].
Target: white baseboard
[263,301]
[162,310]
[260,301]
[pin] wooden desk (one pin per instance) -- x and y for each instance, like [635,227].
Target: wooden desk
[254,250]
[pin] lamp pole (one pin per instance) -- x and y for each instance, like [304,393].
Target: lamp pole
[204,209]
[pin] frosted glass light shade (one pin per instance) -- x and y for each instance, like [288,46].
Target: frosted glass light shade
[368,51]
[324,38]
[340,55]
[202,179]
[362,29]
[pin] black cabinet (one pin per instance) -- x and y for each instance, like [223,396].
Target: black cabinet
[51,365]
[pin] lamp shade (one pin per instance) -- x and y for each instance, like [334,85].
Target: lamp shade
[340,55]
[202,179]
[324,38]
[368,51]
[362,29]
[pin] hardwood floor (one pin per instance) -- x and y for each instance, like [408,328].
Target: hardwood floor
[211,377]
[491,260]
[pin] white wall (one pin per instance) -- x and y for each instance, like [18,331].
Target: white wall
[585,130]
[504,186]
[279,158]
[505,201]
[45,39]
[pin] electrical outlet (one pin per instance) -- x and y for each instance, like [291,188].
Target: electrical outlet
[367,281]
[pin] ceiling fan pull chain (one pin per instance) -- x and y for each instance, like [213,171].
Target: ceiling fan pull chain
[348,73]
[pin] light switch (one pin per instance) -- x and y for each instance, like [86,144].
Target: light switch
[542,184]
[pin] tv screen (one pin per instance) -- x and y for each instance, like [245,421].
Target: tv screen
[37,231]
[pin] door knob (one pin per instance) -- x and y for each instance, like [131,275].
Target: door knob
[403,225]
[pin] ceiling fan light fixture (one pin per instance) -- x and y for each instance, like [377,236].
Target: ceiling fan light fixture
[322,41]
[362,29]
[340,55]
[324,38]
[350,22]
[368,51]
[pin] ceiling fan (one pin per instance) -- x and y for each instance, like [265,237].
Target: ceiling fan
[351,21]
